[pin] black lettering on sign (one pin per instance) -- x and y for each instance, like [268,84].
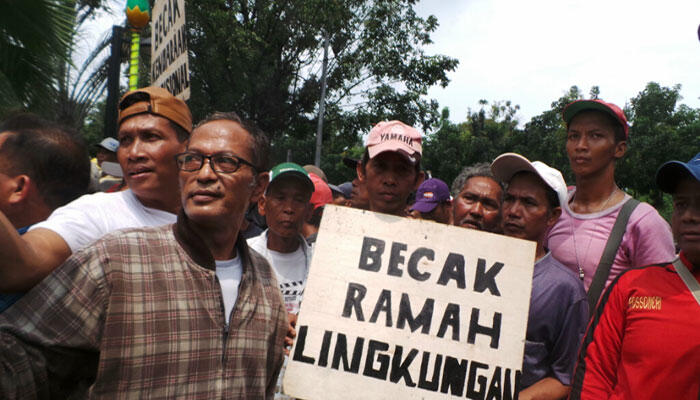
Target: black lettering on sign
[472,392]
[399,368]
[162,26]
[372,348]
[371,255]
[494,331]
[453,269]
[340,353]
[169,8]
[406,315]
[176,10]
[495,387]
[419,253]
[450,319]
[325,346]
[299,350]
[353,298]
[453,376]
[508,393]
[396,259]
[433,383]
[383,305]
[487,279]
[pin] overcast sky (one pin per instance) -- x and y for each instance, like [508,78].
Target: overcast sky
[532,52]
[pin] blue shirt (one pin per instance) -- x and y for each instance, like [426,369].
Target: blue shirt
[6,300]
[556,323]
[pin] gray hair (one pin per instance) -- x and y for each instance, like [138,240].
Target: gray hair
[472,171]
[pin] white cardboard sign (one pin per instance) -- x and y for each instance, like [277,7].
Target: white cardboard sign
[170,67]
[396,308]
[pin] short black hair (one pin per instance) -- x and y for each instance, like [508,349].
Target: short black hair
[481,169]
[261,143]
[53,156]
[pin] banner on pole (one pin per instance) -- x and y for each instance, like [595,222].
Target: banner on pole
[410,309]
[169,62]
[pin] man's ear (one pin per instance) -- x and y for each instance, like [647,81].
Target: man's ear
[360,169]
[259,186]
[419,179]
[261,206]
[553,217]
[19,188]
[620,149]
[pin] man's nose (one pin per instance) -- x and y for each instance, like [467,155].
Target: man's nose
[135,150]
[206,173]
[477,209]
[582,143]
[513,211]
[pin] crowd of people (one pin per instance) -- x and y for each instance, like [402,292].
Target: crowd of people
[183,276]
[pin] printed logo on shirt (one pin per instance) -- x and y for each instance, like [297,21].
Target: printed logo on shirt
[292,293]
[644,303]
[292,288]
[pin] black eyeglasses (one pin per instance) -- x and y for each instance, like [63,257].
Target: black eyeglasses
[225,163]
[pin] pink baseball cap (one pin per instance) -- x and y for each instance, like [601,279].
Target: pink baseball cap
[577,106]
[395,136]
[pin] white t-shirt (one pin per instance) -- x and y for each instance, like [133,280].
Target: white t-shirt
[229,273]
[291,269]
[92,216]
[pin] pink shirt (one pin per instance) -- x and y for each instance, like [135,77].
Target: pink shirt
[579,239]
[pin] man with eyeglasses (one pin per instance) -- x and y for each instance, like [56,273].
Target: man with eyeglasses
[178,311]
[153,127]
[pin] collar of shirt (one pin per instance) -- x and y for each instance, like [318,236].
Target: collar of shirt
[190,241]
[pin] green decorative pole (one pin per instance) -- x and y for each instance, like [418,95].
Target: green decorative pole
[138,14]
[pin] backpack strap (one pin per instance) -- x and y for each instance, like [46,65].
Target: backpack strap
[611,246]
[687,278]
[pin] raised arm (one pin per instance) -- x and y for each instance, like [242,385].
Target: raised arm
[25,260]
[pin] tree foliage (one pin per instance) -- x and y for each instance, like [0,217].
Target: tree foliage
[262,58]
[37,40]
[661,130]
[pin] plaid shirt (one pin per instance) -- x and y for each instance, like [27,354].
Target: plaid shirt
[139,314]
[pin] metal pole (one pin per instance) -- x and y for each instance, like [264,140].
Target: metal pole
[110,122]
[322,107]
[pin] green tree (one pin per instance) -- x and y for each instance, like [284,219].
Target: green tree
[661,130]
[34,38]
[446,151]
[262,58]
[37,39]
[486,134]
[544,137]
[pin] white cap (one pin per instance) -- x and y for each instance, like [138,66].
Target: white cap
[508,164]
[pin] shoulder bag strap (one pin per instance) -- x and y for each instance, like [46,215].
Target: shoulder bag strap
[687,278]
[611,246]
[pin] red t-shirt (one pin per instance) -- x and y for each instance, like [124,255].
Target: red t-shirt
[644,341]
